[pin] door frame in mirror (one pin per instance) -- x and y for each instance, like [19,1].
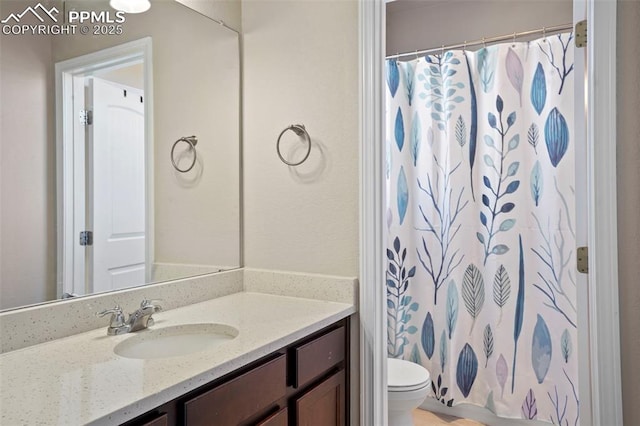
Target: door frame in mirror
[70,264]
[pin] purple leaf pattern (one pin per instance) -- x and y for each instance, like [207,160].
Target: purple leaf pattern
[502,372]
[515,71]
[529,407]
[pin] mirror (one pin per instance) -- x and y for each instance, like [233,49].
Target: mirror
[176,74]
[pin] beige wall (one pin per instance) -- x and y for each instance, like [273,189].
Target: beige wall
[413,24]
[27,170]
[301,67]
[628,168]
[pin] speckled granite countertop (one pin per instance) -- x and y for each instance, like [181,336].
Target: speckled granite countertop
[79,380]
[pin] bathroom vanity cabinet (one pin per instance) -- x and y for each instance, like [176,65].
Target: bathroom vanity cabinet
[305,383]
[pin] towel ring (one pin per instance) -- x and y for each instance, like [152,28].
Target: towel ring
[299,130]
[192,141]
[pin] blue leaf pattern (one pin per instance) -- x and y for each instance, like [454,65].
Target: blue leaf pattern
[473,292]
[536,182]
[517,322]
[403,195]
[466,369]
[452,307]
[497,190]
[473,131]
[428,336]
[393,76]
[487,61]
[444,353]
[399,129]
[556,136]
[539,89]
[415,138]
[409,72]
[541,349]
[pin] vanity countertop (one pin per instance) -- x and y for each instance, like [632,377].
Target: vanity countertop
[80,380]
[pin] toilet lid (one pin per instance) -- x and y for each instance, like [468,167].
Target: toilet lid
[405,375]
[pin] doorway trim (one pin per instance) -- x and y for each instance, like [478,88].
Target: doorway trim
[70,187]
[604,331]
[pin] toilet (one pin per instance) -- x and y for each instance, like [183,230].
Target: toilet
[408,385]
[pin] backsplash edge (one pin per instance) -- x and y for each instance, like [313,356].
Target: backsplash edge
[30,326]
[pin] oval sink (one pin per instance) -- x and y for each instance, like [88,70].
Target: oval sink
[175,340]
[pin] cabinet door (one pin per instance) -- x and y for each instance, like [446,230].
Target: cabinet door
[323,405]
[278,419]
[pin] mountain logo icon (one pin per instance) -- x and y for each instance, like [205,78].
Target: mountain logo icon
[39,11]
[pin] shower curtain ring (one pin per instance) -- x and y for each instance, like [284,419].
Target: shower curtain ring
[442,50]
[416,54]
[464,47]
[484,42]
[514,39]
[544,34]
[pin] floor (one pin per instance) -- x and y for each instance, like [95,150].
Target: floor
[427,418]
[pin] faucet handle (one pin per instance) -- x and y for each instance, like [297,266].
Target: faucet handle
[147,303]
[117,316]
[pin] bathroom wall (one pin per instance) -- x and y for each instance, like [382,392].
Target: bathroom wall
[628,168]
[301,67]
[27,164]
[410,22]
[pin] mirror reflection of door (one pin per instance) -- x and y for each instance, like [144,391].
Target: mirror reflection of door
[116,185]
[106,208]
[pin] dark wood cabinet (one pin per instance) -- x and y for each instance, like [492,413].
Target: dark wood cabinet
[323,405]
[158,420]
[281,418]
[239,399]
[305,383]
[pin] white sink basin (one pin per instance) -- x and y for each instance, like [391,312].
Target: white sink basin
[175,340]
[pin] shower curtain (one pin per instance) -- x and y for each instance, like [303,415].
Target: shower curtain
[480,275]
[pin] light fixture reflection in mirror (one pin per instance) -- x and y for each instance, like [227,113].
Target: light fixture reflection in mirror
[130,6]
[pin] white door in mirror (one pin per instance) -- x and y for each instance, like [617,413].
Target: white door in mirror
[117,185]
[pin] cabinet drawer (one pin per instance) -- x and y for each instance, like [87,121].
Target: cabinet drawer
[240,398]
[277,419]
[312,359]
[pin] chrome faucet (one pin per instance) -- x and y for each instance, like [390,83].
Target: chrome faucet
[138,320]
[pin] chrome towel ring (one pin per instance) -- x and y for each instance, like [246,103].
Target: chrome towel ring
[192,141]
[299,130]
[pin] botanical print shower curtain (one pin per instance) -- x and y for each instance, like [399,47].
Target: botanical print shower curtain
[480,273]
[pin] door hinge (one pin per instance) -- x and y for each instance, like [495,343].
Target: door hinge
[582,259]
[86,238]
[86,117]
[581,33]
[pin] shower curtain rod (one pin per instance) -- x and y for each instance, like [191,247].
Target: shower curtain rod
[484,41]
